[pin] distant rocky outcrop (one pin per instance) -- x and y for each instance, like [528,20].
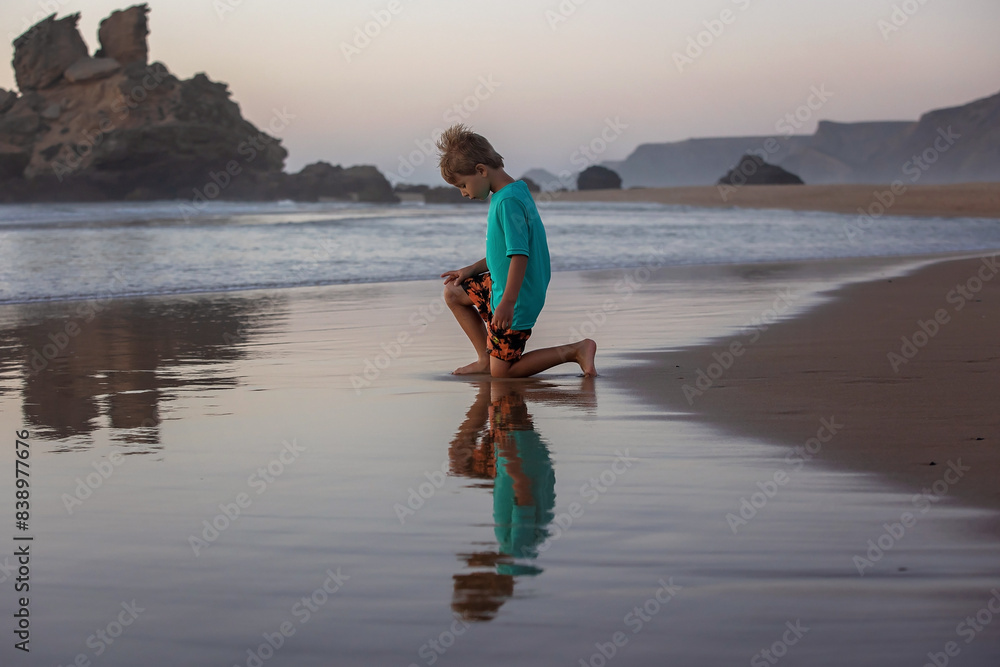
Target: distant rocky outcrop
[321,180]
[596,177]
[841,152]
[548,181]
[114,126]
[962,144]
[447,195]
[426,194]
[954,145]
[753,170]
[696,161]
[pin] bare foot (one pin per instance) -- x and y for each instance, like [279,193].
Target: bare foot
[585,354]
[479,366]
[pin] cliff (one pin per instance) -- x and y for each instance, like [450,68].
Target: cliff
[114,126]
[954,145]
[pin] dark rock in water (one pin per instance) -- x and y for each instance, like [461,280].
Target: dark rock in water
[43,53]
[446,195]
[322,180]
[123,36]
[113,127]
[532,186]
[405,188]
[597,177]
[753,170]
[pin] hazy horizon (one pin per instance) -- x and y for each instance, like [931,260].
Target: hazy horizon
[543,79]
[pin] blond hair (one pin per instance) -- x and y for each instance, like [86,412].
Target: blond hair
[462,149]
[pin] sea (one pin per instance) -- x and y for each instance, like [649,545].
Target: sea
[88,251]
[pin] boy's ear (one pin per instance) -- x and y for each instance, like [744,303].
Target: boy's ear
[482,170]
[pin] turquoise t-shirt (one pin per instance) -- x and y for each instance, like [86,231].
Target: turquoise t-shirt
[514,227]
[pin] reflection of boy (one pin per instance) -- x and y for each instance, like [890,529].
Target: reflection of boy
[524,488]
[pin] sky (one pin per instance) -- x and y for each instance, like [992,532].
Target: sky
[557,84]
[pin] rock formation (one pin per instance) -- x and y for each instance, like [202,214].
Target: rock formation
[598,178]
[322,180]
[113,126]
[866,152]
[123,36]
[43,53]
[548,181]
[753,170]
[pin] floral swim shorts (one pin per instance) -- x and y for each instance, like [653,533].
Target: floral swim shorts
[507,344]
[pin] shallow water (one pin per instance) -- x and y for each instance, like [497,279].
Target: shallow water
[85,251]
[456,521]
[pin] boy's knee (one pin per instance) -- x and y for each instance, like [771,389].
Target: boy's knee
[499,369]
[450,297]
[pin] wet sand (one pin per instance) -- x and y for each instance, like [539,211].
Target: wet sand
[973,200]
[293,477]
[909,366]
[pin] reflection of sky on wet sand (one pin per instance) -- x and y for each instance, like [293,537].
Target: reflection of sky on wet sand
[226,412]
[119,364]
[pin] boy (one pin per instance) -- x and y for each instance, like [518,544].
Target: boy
[497,299]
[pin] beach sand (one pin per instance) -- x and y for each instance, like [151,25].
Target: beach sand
[300,462]
[909,366]
[973,200]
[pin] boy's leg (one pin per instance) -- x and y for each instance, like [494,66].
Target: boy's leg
[536,361]
[472,324]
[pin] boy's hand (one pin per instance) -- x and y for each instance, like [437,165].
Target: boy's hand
[503,316]
[456,276]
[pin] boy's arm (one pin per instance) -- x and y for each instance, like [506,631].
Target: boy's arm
[503,317]
[458,275]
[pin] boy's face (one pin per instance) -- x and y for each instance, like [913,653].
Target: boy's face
[475,185]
